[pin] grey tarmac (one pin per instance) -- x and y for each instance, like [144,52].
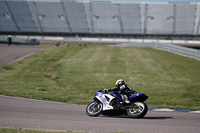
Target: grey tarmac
[11,53]
[46,115]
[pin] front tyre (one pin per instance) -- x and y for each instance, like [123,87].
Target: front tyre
[138,111]
[94,109]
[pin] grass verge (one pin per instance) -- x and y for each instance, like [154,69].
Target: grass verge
[20,130]
[73,74]
[16,130]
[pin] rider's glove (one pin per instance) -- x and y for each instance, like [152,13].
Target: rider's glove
[105,90]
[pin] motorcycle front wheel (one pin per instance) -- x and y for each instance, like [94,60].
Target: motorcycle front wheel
[94,109]
[138,111]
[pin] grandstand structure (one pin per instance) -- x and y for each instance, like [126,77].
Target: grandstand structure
[87,18]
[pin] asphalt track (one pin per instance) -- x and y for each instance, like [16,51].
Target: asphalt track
[44,115]
[36,114]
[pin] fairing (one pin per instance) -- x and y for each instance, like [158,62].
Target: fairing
[116,94]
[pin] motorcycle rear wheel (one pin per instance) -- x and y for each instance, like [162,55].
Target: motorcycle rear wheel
[94,109]
[138,111]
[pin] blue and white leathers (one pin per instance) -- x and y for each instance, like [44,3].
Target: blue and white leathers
[105,101]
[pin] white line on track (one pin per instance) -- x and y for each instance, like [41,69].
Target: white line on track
[22,57]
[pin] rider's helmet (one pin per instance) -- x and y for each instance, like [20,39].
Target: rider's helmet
[119,82]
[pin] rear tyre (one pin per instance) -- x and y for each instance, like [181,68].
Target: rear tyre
[138,111]
[94,109]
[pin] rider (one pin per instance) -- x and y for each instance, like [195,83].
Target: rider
[123,89]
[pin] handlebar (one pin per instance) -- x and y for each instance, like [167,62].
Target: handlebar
[103,91]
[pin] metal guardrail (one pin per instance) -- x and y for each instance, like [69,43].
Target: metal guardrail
[188,52]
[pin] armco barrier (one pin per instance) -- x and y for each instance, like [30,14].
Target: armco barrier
[189,52]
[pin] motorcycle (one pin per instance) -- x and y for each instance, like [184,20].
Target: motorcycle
[112,104]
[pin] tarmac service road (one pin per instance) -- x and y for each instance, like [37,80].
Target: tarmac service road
[9,54]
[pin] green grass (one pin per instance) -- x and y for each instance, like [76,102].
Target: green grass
[74,74]
[19,130]
[16,130]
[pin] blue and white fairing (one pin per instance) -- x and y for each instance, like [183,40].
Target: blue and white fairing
[116,94]
[105,99]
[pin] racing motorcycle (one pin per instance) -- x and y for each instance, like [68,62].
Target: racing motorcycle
[112,104]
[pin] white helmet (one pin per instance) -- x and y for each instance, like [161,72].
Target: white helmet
[119,82]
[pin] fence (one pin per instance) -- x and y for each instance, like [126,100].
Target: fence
[189,52]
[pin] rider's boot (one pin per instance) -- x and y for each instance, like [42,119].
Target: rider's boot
[125,99]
